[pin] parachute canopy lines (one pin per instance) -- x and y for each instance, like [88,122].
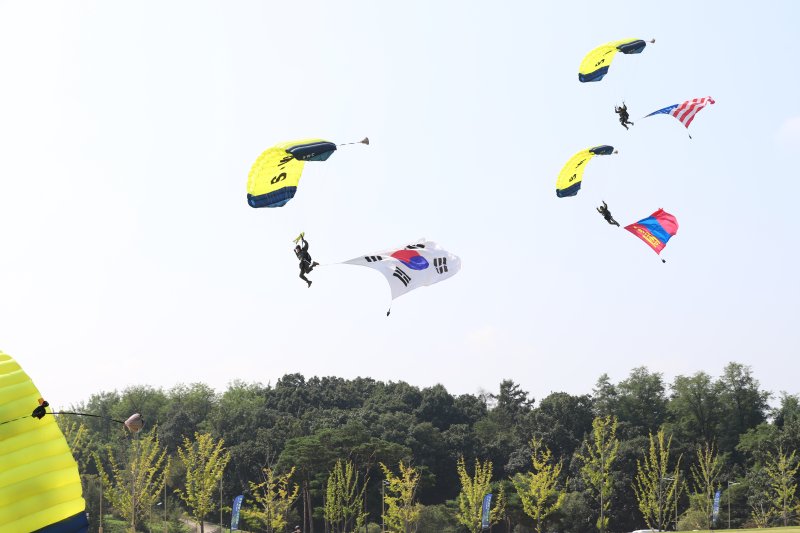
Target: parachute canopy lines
[655,230]
[597,62]
[409,267]
[570,177]
[40,488]
[686,111]
[273,178]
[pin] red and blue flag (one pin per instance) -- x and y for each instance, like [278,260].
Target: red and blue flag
[655,230]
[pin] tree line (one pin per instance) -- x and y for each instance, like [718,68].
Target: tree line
[337,455]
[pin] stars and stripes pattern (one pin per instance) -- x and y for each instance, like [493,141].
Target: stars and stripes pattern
[686,111]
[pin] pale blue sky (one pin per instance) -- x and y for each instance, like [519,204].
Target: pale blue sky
[128,253]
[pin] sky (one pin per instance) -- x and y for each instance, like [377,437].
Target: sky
[129,255]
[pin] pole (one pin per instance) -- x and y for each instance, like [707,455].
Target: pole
[383,504]
[166,523]
[729,504]
[133,481]
[100,530]
[220,503]
[729,501]
[602,485]
[677,495]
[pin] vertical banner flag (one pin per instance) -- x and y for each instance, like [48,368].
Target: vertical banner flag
[655,230]
[715,512]
[487,503]
[237,504]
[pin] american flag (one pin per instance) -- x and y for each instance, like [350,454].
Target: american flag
[686,111]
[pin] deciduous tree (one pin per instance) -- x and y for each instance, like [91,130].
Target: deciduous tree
[473,489]
[538,489]
[656,491]
[135,485]
[205,460]
[598,460]
[343,498]
[274,498]
[402,509]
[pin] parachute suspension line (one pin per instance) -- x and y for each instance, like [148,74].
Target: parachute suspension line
[365,140]
[64,413]
[87,414]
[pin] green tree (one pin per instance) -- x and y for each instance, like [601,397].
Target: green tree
[695,407]
[743,404]
[705,481]
[473,489]
[657,492]
[402,509]
[781,470]
[641,401]
[499,512]
[205,460]
[133,487]
[598,461]
[343,499]
[274,498]
[538,488]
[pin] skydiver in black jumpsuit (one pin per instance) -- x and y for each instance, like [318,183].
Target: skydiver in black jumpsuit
[607,214]
[623,115]
[306,264]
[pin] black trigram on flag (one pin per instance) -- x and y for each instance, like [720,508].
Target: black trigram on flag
[441,264]
[415,246]
[402,276]
[373,258]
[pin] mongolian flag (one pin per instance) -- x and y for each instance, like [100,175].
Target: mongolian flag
[655,230]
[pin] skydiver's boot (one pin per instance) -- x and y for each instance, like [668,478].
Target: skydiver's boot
[309,284]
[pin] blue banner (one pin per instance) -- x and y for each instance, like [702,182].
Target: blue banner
[237,504]
[487,503]
[715,511]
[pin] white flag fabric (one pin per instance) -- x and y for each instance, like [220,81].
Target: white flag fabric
[409,267]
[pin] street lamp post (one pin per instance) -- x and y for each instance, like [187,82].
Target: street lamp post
[729,501]
[676,497]
[383,504]
[100,530]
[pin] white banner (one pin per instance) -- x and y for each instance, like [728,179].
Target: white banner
[408,267]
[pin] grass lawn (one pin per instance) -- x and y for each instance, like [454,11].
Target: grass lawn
[780,529]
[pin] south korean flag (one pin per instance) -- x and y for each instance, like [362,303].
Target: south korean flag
[409,267]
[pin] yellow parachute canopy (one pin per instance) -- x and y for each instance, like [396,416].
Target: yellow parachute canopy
[39,481]
[274,176]
[596,63]
[570,177]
